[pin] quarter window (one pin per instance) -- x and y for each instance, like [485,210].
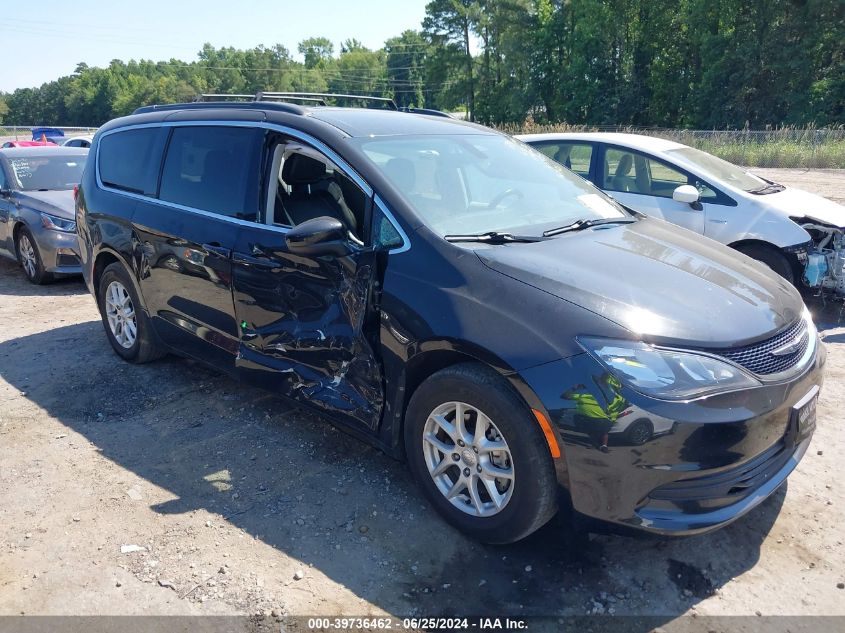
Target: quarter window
[386,235]
[213,169]
[130,160]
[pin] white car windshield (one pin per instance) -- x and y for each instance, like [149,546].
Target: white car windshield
[719,169]
[474,183]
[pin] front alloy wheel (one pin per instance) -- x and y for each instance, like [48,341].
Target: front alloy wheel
[478,454]
[30,258]
[27,253]
[468,459]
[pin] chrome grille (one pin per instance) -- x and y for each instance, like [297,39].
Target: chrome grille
[758,358]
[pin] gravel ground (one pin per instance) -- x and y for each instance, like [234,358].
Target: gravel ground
[829,183]
[236,503]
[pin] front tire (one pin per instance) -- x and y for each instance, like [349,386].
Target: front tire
[772,258]
[640,432]
[29,258]
[479,455]
[127,326]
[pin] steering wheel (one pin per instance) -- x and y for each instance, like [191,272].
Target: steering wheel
[500,197]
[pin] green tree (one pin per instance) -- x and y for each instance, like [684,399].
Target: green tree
[317,51]
[449,24]
[358,70]
[406,61]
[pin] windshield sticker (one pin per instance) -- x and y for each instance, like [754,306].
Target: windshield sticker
[22,167]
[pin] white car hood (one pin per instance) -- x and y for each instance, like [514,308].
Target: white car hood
[803,204]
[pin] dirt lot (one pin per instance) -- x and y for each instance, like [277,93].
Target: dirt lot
[233,496]
[829,183]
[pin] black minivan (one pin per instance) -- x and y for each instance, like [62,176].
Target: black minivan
[459,300]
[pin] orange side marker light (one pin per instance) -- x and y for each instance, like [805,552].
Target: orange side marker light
[547,431]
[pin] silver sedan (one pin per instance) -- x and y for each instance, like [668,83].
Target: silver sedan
[37,224]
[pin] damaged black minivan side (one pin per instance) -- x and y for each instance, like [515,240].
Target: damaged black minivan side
[459,300]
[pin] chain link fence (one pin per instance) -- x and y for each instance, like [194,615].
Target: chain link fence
[787,147]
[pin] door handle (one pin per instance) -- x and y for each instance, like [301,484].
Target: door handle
[215,249]
[257,262]
[717,221]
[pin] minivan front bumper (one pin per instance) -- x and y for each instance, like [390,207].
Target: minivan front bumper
[676,468]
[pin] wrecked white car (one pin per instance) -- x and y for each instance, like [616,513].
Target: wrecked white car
[797,234]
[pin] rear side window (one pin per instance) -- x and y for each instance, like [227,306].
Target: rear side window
[130,160]
[213,169]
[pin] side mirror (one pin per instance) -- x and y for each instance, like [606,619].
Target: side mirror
[687,194]
[5,193]
[319,236]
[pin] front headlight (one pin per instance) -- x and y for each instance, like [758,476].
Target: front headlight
[664,373]
[57,224]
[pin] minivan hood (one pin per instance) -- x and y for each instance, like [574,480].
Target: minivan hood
[803,204]
[663,283]
[58,203]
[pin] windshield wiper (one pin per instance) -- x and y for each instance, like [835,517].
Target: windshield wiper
[772,187]
[580,225]
[492,237]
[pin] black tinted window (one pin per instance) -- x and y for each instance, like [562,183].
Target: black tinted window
[214,169]
[130,160]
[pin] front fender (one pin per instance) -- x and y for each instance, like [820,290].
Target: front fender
[756,223]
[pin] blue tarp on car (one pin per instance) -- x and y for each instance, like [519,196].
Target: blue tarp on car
[50,132]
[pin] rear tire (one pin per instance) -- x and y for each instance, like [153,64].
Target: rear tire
[127,326]
[772,258]
[507,464]
[29,258]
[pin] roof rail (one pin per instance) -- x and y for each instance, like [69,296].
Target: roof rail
[217,97]
[427,111]
[322,96]
[269,96]
[311,98]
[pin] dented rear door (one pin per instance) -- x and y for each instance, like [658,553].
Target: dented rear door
[304,325]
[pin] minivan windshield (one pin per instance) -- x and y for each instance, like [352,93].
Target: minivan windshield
[48,173]
[477,183]
[719,169]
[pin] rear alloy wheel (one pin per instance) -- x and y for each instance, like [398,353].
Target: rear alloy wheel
[120,314]
[30,258]
[478,454]
[127,326]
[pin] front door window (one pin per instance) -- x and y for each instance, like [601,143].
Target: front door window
[304,184]
[627,171]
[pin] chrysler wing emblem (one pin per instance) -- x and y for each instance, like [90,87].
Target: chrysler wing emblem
[790,348]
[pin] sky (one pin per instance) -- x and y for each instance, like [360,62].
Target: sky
[46,39]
